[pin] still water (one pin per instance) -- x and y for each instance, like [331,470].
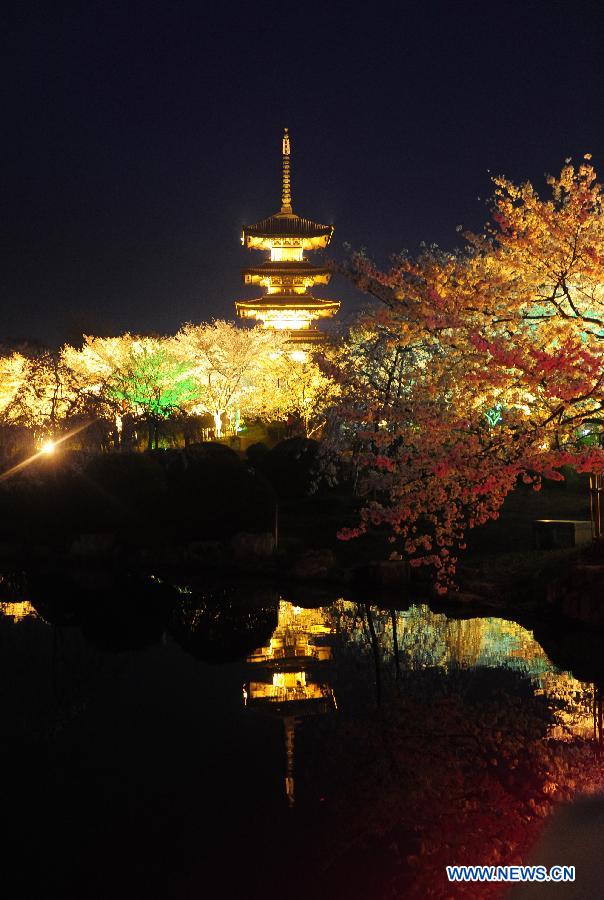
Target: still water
[199,740]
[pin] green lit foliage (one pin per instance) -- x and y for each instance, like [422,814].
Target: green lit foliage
[154,382]
[494,416]
[140,376]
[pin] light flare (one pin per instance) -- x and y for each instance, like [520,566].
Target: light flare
[43,452]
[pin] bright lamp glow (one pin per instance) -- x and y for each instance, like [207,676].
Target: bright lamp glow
[48,447]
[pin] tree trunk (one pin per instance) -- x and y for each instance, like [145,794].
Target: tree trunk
[218,424]
[117,432]
[397,662]
[376,655]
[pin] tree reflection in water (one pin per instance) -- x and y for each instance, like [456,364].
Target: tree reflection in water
[463,751]
[222,623]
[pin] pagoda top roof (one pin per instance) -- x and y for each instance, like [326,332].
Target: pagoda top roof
[288,225]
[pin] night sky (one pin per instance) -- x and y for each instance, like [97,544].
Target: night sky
[137,139]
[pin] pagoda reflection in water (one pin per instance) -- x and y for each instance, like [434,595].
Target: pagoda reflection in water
[17,610]
[289,675]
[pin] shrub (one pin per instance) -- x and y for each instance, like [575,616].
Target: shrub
[144,499]
[255,453]
[214,625]
[291,467]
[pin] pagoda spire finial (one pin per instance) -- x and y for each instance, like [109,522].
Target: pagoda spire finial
[286,191]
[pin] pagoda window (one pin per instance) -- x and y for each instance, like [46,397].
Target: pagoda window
[286,254]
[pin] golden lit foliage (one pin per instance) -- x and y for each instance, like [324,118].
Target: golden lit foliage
[43,391]
[216,369]
[226,363]
[13,371]
[294,384]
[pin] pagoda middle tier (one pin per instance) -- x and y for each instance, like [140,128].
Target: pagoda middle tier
[286,275]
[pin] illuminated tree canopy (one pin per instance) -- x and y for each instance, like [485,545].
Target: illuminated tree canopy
[12,375]
[225,363]
[37,391]
[294,384]
[214,369]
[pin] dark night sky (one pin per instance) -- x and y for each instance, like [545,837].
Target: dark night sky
[138,138]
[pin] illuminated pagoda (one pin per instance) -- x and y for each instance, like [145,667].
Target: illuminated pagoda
[286,275]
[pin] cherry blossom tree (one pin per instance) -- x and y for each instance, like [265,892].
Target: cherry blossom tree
[226,363]
[39,392]
[292,383]
[480,367]
[13,368]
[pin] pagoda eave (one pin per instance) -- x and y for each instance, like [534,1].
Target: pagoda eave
[294,269]
[269,242]
[298,708]
[287,230]
[268,279]
[288,225]
[318,309]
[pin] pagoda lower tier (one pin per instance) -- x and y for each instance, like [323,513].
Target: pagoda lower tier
[283,277]
[292,312]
